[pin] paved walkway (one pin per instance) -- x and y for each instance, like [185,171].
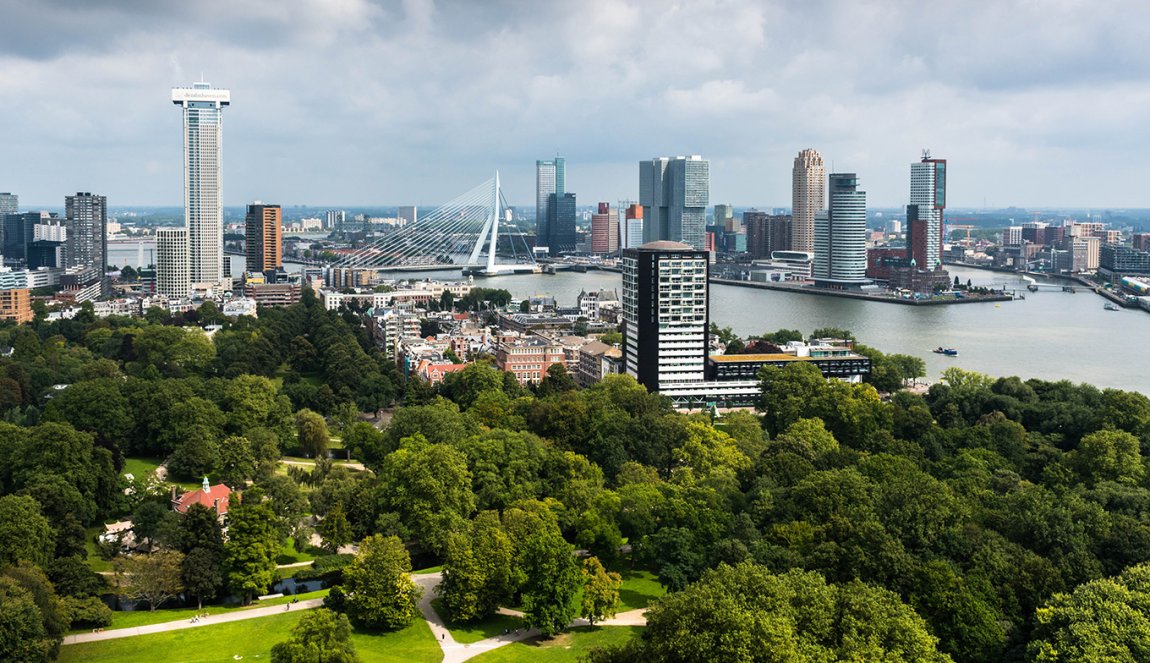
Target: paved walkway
[456,652]
[238,615]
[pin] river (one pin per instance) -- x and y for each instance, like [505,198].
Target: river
[1048,335]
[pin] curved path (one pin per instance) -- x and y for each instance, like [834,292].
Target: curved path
[238,615]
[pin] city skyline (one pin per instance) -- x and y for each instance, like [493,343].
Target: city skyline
[1011,93]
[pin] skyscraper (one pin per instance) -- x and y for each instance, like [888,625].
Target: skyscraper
[924,213]
[560,235]
[19,232]
[262,237]
[334,220]
[86,220]
[674,193]
[550,177]
[604,230]
[807,198]
[631,225]
[9,204]
[665,318]
[724,214]
[840,234]
[203,174]
[767,233]
[172,270]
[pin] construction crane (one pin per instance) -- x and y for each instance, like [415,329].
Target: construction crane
[951,226]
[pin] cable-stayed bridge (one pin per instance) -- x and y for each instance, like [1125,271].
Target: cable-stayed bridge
[463,232]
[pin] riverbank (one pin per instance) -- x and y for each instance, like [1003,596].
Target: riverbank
[884,298]
[1076,279]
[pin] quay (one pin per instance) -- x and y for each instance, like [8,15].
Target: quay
[889,299]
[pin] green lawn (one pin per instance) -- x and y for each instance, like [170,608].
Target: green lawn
[289,555]
[570,646]
[481,630]
[95,561]
[250,639]
[133,618]
[141,468]
[638,590]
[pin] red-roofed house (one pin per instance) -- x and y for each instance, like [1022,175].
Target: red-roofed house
[213,497]
[434,372]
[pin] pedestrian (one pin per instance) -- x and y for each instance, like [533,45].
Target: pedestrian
[442,636]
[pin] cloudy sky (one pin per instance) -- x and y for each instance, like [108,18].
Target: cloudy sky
[1039,103]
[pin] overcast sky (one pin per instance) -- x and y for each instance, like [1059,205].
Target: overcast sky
[350,102]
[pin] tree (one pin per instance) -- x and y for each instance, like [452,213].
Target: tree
[783,336]
[429,486]
[251,549]
[156,523]
[1104,619]
[22,633]
[154,578]
[378,591]
[745,613]
[476,570]
[200,573]
[236,462]
[557,380]
[551,580]
[313,434]
[334,529]
[25,535]
[1108,455]
[600,591]
[320,636]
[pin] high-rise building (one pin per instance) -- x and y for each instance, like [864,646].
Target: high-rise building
[631,226]
[560,235]
[407,215]
[9,204]
[173,273]
[674,193]
[840,234]
[807,198]
[924,213]
[16,305]
[723,215]
[665,317]
[262,238]
[334,220]
[767,233]
[86,220]
[19,232]
[203,178]
[604,230]
[550,177]
[1012,236]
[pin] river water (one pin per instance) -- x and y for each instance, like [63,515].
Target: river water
[1049,335]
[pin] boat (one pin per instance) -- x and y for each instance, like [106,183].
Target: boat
[1111,307]
[949,352]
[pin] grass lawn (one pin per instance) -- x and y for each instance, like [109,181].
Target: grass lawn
[570,646]
[133,618]
[251,639]
[431,569]
[638,590]
[96,562]
[289,555]
[141,468]
[481,630]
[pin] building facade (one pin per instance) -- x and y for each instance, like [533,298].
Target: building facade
[675,193]
[173,274]
[808,197]
[9,204]
[840,234]
[202,107]
[550,178]
[767,233]
[665,314]
[561,236]
[632,226]
[86,243]
[263,241]
[604,230]
[924,214]
[16,305]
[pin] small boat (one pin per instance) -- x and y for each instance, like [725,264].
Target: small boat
[949,352]
[1111,307]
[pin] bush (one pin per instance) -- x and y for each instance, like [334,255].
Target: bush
[327,567]
[89,612]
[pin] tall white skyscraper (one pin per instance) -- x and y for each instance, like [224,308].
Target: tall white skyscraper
[172,269]
[675,193]
[203,178]
[550,177]
[924,213]
[840,234]
[807,198]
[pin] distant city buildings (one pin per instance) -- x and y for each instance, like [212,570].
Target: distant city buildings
[550,178]
[202,107]
[675,193]
[767,233]
[631,227]
[407,215]
[16,305]
[86,243]
[840,258]
[604,230]
[561,236]
[262,238]
[924,214]
[334,220]
[807,198]
[9,204]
